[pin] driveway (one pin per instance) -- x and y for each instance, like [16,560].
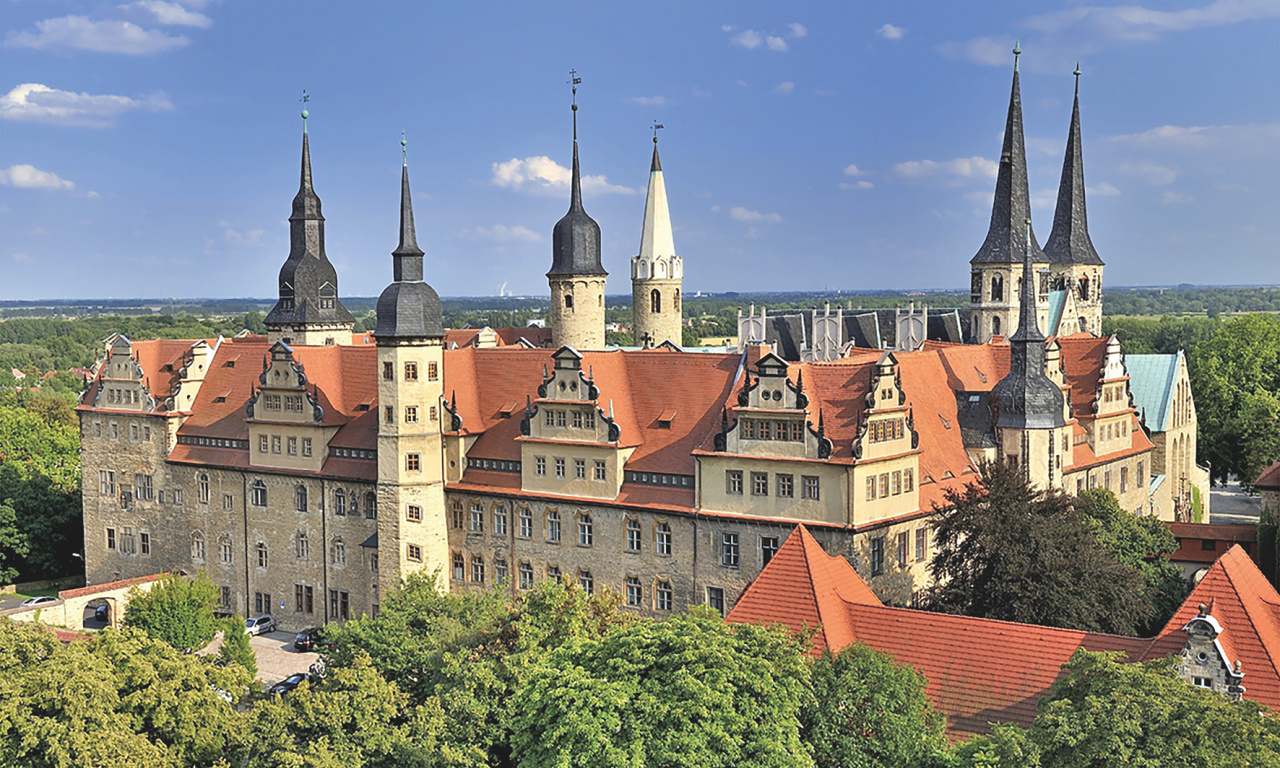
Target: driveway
[275,655]
[1229,505]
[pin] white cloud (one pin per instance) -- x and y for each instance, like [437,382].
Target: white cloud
[20,257]
[649,101]
[991,51]
[890,32]
[542,174]
[747,38]
[752,39]
[742,214]
[853,170]
[776,44]
[93,195]
[798,29]
[171,13]
[1152,173]
[85,34]
[38,103]
[962,167]
[1102,190]
[30,177]
[1245,139]
[1173,198]
[864,184]
[503,234]
[786,87]
[252,238]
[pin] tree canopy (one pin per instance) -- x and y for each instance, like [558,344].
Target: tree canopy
[1008,551]
[177,610]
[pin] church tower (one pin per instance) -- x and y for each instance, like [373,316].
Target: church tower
[1031,428]
[995,293]
[308,311]
[1074,262]
[657,272]
[576,276]
[410,336]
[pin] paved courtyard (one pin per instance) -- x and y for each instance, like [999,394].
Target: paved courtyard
[1229,505]
[275,654]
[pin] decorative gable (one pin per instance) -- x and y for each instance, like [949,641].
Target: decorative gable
[123,385]
[1203,661]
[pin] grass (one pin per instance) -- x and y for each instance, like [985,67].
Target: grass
[35,593]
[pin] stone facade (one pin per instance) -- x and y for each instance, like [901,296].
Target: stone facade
[577,311]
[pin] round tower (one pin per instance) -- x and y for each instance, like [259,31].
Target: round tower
[656,272]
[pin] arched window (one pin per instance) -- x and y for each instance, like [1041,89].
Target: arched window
[587,583]
[655,300]
[262,555]
[1084,289]
[197,546]
[995,326]
[586,531]
[676,300]
[371,505]
[224,550]
[997,288]
[1084,325]
[202,489]
[300,498]
[259,493]
[354,503]
[339,502]
[339,554]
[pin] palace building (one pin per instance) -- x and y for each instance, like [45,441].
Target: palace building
[308,470]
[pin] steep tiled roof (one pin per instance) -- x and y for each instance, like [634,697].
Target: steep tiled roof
[980,671]
[1083,358]
[1248,609]
[95,589]
[1151,380]
[161,361]
[1269,480]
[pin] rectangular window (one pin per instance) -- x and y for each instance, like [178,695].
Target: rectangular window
[500,574]
[662,539]
[733,481]
[477,518]
[768,548]
[306,446]
[432,413]
[786,486]
[414,514]
[586,531]
[297,598]
[459,567]
[580,469]
[176,496]
[871,488]
[413,462]
[553,573]
[388,414]
[115,430]
[812,488]
[549,418]
[499,523]
[97,429]
[414,553]
[729,553]
[526,523]
[908,481]
[633,535]
[224,551]
[1124,479]
[308,600]
[224,597]
[600,470]
[540,466]
[411,414]
[526,576]
[111,538]
[293,446]
[410,371]
[922,544]
[715,598]
[275,444]
[884,485]
[559,467]
[133,432]
[903,547]
[477,570]
[577,419]
[561,419]
[263,446]
[635,593]
[433,371]
[145,540]
[877,556]
[895,483]
[662,596]
[553,526]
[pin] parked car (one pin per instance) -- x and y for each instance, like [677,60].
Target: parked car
[35,601]
[102,613]
[286,685]
[260,625]
[311,640]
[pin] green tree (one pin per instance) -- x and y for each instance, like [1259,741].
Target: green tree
[353,719]
[253,322]
[120,700]
[1106,713]
[48,516]
[868,710]
[13,544]
[1008,551]
[688,691]
[235,648]
[177,610]
[1235,376]
[1142,543]
[1268,543]
[1007,746]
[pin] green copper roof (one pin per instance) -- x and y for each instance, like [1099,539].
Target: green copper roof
[1057,301]
[1151,380]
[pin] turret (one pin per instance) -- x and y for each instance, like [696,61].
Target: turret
[308,310]
[656,271]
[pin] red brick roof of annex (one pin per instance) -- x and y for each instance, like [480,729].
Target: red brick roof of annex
[1269,480]
[980,671]
[689,390]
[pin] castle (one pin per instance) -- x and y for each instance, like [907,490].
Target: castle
[309,470]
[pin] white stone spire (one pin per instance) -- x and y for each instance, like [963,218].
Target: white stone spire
[656,271]
[656,241]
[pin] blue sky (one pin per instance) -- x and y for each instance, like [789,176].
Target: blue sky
[150,148]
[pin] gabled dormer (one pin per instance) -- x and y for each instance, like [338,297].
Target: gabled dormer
[887,426]
[772,417]
[828,334]
[287,425]
[1112,403]
[122,384]
[190,375]
[1203,661]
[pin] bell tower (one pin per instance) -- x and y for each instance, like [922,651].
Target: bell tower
[410,337]
[656,272]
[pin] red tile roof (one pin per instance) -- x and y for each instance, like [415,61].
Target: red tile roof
[1269,480]
[94,589]
[1191,537]
[980,671]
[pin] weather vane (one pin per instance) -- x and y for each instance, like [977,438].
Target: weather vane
[1017,51]
[305,114]
[657,127]
[404,148]
[575,81]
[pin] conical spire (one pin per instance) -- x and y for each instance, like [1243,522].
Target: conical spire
[1069,241]
[1026,398]
[408,308]
[407,255]
[656,239]
[1012,204]
[575,241]
[306,204]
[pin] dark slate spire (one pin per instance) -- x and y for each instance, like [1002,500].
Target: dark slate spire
[575,241]
[1012,204]
[1026,398]
[408,308]
[656,165]
[308,282]
[1069,241]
